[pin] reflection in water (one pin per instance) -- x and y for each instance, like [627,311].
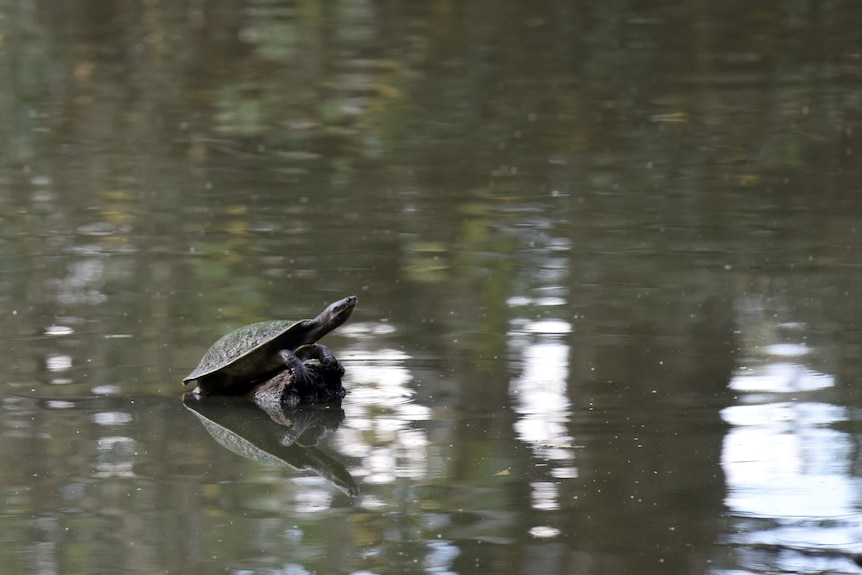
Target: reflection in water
[286,438]
[115,457]
[83,284]
[541,400]
[381,415]
[539,349]
[549,207]
[789,470]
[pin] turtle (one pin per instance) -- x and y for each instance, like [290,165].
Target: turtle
[245,356]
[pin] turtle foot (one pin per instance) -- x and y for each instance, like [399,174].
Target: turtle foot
[301,384]
[319,352]
[332,369]
[322,385]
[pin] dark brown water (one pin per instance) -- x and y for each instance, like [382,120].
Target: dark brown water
[607,259]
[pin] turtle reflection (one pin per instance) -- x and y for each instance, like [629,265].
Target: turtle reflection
[249,429]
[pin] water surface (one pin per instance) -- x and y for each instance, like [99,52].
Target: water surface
[607,260]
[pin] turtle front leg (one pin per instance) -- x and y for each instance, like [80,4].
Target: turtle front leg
[326,377]
[311,376]
[302,376]
[322,354]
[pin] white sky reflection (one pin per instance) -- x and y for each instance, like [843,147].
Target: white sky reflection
[380,416]
[540,394]
[783,458]
[539,397]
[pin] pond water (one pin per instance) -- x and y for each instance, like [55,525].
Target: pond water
[607,260]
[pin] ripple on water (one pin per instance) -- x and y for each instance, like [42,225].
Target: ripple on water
[59,330]
[367,329]
[546,301]
[780,377]
[111,418]
[544,531]
[550,326]
[106,390]
[788,349]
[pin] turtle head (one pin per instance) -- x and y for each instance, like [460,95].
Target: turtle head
[336,313]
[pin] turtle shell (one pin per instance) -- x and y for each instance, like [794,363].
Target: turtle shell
[244,350]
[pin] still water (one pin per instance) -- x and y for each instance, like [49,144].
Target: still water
[607,259]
